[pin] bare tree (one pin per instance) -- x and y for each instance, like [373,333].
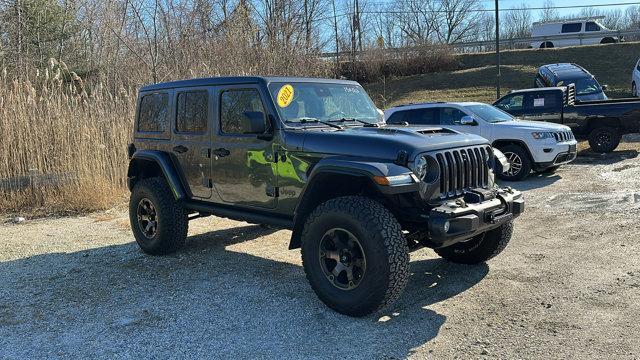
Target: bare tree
[516,22]
[457,19]
[416,19]
[548,12]
[632,17]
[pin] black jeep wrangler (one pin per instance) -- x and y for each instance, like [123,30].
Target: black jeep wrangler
[314,156]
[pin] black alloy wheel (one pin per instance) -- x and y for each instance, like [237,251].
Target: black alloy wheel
[342,259]
[147,218]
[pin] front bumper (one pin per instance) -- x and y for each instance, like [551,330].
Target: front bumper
[549,151]
[456,220]
[560,159]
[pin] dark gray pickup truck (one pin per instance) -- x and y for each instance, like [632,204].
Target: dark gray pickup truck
[602,122]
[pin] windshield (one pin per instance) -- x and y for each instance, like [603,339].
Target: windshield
[586,86]
[305,102]
[489,113]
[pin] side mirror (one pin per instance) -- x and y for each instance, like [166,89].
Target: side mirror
[604,87]
[253,122]
[468,120]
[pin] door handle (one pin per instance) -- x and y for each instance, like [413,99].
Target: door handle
[180,149]
[221,152]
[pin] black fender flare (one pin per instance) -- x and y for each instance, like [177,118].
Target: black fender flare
[353,167]
[164,162]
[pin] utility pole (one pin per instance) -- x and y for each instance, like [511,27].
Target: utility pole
[335,27]
[497,51]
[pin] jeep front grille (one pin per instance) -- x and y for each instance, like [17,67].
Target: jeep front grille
[462,169]
[562,136]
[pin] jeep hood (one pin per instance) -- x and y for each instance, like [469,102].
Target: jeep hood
[532,126]
[385,142]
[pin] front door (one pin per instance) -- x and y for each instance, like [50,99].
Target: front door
[451,117]
[544,106]
[243,167]
[192,138]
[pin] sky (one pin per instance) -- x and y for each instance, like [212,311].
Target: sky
[505,4]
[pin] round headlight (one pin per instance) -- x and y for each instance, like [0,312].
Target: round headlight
[420,167]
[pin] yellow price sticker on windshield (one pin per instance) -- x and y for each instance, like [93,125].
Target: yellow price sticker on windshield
[285,96]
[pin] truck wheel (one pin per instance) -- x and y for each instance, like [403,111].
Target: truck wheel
[355,255]
[479,248]
[158,221]
[547,44]
[604,139]
[520,163]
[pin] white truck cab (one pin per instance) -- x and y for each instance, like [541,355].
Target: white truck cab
[528,145]
[571,32]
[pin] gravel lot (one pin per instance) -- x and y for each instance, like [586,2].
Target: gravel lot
[568,286]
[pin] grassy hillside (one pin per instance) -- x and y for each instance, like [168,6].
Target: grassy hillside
[475,81]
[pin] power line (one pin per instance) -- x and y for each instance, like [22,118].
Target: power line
[395,12]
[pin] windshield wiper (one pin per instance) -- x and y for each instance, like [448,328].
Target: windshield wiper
[365,123]
[304,120]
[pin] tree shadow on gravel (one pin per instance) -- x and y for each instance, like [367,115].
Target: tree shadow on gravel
[206,301]
[533,181]
[588,157]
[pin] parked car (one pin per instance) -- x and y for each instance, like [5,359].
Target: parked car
[314,156]
[635,79]
[527,145]
[602,122]
[586,85]
[573,32]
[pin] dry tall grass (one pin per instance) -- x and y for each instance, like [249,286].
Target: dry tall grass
[62,149]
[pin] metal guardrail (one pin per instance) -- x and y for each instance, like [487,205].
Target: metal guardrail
[528,40]
[511,42]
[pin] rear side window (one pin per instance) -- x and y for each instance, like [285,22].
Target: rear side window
[233,105]
[154,113]
[192,112]
[424,116]
[591,26]
[571,27]
[544,100]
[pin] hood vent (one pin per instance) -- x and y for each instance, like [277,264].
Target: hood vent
[436,131]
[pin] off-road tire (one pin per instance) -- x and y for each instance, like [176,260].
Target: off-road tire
[172,222]
[480,248]
[598,146]
[527,164]
[383,245]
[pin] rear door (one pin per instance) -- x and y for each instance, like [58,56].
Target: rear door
[192,138]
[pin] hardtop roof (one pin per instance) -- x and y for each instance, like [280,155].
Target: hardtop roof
[567,70]
[235,80]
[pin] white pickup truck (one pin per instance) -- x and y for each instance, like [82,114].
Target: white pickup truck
[528,145]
